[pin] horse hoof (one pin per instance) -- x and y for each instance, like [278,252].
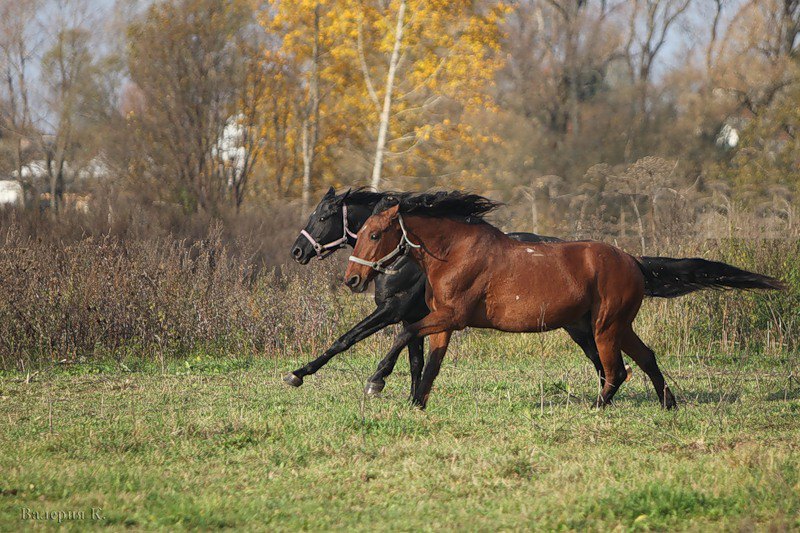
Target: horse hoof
[373,388]
[600,403]
[629,370]
[418,403]
[670,404]
[292,379]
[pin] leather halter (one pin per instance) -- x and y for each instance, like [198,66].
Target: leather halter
[324,250]
[401,249]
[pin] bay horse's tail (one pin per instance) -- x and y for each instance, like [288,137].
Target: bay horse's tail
[666,277]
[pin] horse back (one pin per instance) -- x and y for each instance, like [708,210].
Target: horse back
[542,286]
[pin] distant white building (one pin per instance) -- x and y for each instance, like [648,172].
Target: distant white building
[94,169]
[77,179]
[37,170]
[230,147]
[11,194]
[33,171]
[728,137]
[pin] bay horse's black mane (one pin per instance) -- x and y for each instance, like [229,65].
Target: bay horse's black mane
[444,204]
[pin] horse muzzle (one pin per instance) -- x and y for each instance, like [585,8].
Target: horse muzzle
[300,255]
[356,283]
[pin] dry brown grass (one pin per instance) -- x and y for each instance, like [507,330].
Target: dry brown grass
[151,286]
[159,297]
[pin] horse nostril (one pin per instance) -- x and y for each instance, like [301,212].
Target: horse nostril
[353,281]
[297,252]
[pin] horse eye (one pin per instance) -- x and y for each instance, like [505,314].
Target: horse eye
[322,219]
[374,236]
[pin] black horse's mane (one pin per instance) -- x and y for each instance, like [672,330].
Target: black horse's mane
[444,204]
[361,196]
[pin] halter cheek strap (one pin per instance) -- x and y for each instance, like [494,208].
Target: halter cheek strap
[324,250]
[401,249]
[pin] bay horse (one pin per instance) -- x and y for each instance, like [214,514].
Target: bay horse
[479,277]
[399,296]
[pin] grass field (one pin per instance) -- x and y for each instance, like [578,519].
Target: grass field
[508,442]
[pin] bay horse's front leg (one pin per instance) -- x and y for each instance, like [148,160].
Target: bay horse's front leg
[383,316]
[581,332]
[440,321]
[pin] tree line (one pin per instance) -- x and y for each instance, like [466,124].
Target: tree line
[215,105]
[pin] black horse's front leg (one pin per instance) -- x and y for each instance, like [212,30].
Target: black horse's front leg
[376,382]
[383,316]
[384,367]
[416,361]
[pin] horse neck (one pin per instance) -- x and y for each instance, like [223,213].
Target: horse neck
[436,235]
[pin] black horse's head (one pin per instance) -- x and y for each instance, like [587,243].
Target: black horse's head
[325,227]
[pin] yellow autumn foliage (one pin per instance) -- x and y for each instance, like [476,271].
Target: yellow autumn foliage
[449,56]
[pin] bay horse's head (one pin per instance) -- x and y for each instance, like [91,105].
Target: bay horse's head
[325,231]
[380,241]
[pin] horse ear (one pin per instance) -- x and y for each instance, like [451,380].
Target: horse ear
[331,193]
[346,194]
[393,211]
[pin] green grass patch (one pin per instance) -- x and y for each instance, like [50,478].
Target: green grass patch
[508,442]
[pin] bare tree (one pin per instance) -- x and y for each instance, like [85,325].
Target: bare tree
[712,47]
[17,48]
[569,11]
[762,59]
[562,62]
[69,87]
[251,85]
[66,67]
[650,24]
[185,59]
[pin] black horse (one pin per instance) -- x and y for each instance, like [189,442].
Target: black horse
[399,293]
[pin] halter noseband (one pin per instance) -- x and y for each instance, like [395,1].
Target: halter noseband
[401,249]
[324,250]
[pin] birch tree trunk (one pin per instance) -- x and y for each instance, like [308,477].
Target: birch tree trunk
[304,148]
[641,224]
[311,122]
[387,98]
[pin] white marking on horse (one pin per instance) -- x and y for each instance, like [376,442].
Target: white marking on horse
[530,251]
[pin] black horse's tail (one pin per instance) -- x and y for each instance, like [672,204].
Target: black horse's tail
[666,277]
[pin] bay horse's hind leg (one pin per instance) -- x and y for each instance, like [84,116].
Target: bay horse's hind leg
[646,359]
[581,333]
[608,347]
[438,347]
